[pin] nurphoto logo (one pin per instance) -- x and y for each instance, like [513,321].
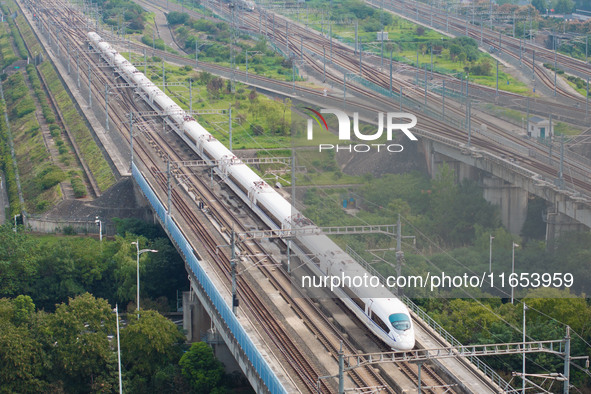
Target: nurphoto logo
[345,130]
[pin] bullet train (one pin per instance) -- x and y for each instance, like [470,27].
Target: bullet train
[384,314]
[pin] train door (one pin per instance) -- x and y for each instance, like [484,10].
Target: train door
[368,310]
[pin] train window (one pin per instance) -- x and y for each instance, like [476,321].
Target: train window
[358,302]
[380,323]
[400,321]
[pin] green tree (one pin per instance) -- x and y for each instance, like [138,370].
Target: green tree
[177,18]
[454,51]
[164,272]
[466,330]
[201,368]
[66,268]
[82,356]
[21,358]
[540,5]
[17,264]
[149,345]
[563,6]
[563,306]
[457,209]
[125,263]
[23,309]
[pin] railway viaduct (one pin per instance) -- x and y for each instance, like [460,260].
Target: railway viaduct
[508,184]
[210,294]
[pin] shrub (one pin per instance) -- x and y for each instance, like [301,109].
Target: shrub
[257,129]
[55,131]
[26,106]
[78,186]
[69,230]
[42,205]
[50,176]
[33,131]
[177,18]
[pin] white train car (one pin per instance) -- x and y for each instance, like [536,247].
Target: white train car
[385,315]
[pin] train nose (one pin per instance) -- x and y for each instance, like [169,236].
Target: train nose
[406,343]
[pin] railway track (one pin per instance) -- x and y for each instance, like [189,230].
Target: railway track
[515,50]
[491,37]
[307,372]
[287,348]
[302,366]
[485,93]
[97,89]
[348,61]
[433,125]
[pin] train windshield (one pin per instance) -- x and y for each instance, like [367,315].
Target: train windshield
[400,321]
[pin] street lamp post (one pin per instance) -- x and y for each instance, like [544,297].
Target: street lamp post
[139,252]
[99,223]
[16,216]
[118,350]
[490,254]
[523,359]
[513,269]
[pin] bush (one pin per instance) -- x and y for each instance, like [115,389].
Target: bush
[50,176]
[158,43]
[26,106]
[69,230]
[55,131]
[42,205]
[177,18]
[33,131]
[78,186]
[257,129]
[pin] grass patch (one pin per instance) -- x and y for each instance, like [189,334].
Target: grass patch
[83,138]
[257,121]
[77,184]
[6,51]
[577,86]
[28,35]
[37,175]
[505,113]
[450,56]
[561,128]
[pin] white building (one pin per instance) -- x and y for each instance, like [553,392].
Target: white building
[539,128]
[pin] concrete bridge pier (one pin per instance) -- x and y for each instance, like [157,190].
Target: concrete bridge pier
[196,321]
[435,160]
[511,199]
[558,223]
[198,327]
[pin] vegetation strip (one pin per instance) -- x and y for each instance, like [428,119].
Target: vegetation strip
[76,126]
[89,176]
[15,194]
